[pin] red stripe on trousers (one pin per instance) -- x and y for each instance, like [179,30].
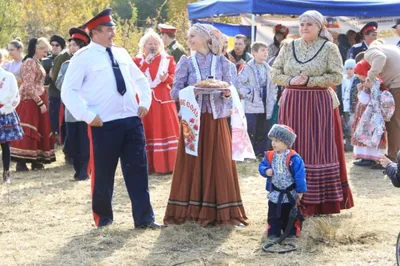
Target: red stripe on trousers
[60,121]
[92,172]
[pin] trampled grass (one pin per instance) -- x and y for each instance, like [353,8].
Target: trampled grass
[45,219]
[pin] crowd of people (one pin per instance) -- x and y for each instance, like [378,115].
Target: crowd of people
[307,100]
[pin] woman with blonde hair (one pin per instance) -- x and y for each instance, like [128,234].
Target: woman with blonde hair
[161,124]
[37,146]
[15,48]
[308,67]
[205,188]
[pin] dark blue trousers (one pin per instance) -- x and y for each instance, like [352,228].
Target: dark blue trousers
[54,112]
[120,139]
[257,127]
[77,147]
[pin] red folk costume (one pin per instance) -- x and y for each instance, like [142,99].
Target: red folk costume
[37,144]
[161,124]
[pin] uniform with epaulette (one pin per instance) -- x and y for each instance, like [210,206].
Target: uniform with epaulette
[100,88]
[361,47]
[174,48]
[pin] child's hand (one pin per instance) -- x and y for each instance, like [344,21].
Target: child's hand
[368,84]
[384,161]
[269,172]
[299,197]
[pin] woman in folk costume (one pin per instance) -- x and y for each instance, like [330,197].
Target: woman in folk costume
[37,145]
[10,128]
[161,125]
[374,107]
[307,67]
[205,188]
[76,143]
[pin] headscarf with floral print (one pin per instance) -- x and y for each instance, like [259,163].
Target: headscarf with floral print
[213,36]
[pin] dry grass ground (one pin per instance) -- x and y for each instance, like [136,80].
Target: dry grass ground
[45,219]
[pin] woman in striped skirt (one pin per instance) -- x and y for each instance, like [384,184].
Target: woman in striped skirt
[308,67]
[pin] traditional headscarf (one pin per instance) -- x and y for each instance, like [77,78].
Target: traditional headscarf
[362,68]
[213,36]
[320,20]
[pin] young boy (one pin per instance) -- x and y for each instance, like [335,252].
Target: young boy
[286,180]
[392,169]
[347,94]
[259,94]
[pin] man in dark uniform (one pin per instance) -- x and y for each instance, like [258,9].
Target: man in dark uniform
[397,28]
[368,32]
[57,45]
[172,46]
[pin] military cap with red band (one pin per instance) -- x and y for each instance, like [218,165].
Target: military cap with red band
[77,33]
[164,28]
[102,19]
[370,26]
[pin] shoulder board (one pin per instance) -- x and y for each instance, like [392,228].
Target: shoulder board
[83,49]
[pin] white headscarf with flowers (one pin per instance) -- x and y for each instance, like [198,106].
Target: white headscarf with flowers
[320,20]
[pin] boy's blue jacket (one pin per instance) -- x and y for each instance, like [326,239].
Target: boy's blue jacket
[296,167]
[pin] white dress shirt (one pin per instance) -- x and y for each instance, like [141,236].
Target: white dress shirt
[90,88]
[9,94]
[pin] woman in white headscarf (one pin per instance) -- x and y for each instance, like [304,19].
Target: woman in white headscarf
[205,188]
[308,67]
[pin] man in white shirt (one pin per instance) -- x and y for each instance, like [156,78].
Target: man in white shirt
[100,88]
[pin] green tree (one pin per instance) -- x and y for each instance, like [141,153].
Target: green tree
[127,34]
[47,17]
[10,26]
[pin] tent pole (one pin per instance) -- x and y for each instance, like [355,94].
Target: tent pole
[253,22]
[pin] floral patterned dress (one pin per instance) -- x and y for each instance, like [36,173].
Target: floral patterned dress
[37,144]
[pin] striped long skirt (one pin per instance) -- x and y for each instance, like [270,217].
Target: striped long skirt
[309,111]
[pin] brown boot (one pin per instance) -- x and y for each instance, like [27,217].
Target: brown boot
[6,177]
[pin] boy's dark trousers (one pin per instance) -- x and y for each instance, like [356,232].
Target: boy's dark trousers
[257,127]
[277,225]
